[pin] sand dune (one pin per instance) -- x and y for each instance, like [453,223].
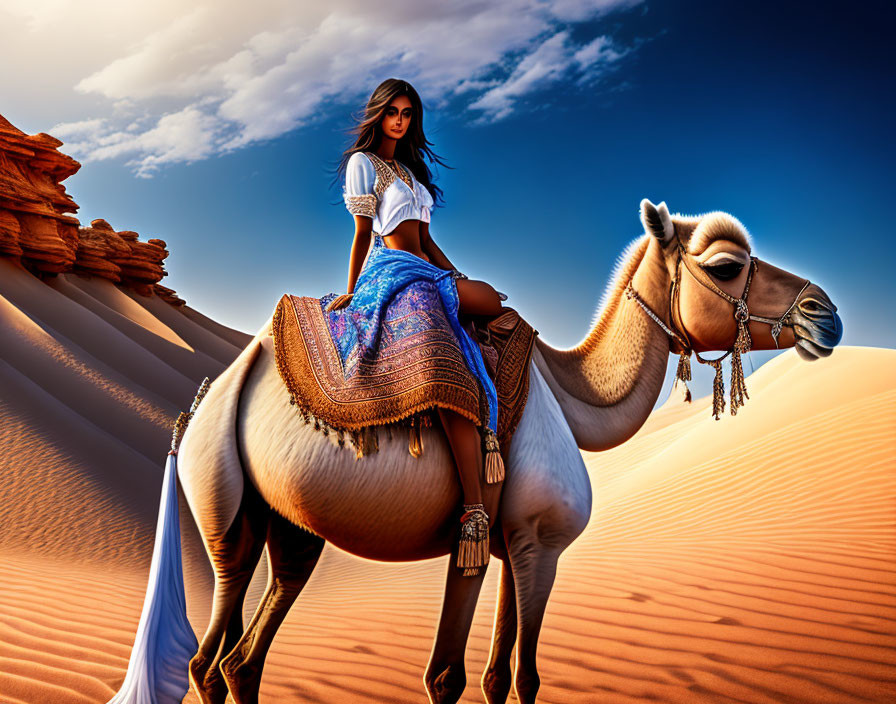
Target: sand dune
[745,560]
[748,560]
[92,380]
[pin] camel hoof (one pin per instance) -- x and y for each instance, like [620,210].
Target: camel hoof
[447,686]
[496,685]
[207,681]
[243,680]
[527,687]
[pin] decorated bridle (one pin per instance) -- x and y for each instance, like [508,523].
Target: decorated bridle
[742,342]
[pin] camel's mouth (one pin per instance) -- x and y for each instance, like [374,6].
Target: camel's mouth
[816,325]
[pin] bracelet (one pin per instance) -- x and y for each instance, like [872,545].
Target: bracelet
[455,274]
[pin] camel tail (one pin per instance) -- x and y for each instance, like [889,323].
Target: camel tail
[165,642]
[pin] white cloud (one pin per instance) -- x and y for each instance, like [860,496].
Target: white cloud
[77,129]
[184,86]
[581,10]
[598,51]
[552,61]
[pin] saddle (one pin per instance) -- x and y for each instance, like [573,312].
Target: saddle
[417,368]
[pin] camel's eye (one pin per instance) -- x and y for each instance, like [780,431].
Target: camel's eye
[724,269]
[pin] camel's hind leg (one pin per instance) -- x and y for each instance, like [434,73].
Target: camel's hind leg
[234,558]
[292,555]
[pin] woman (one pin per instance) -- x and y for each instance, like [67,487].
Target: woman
[389,191]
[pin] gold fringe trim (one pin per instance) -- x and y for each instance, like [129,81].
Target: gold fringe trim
[297,366]
[352,422]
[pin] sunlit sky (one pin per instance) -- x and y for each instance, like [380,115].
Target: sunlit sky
[215,126]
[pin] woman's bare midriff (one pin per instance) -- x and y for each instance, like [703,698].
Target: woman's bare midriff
[406,236]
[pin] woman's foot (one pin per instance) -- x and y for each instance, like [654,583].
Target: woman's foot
[473,552]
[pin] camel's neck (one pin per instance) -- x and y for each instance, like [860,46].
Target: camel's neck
[609,383]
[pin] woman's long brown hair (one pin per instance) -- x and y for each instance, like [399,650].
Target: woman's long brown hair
[410,149]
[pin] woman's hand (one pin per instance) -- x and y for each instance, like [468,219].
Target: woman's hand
[339,302]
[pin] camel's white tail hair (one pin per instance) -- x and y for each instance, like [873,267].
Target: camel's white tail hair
[165,642]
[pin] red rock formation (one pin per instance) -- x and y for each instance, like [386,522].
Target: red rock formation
[10,232]
[168,295]
[98,247]
[35,228]
[142,266]
[30,171]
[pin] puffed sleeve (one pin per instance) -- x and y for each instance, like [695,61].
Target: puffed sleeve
[426,202]
[360,177]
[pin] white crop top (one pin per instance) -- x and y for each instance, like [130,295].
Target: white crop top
[374,190]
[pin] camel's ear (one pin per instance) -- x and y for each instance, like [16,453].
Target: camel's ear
[657,221]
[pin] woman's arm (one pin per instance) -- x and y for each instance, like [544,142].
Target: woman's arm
[431,249]
[360,245]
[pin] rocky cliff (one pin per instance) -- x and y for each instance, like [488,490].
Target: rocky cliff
[37,228]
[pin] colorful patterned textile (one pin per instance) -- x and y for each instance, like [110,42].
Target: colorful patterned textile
[399,295]
[510,340]
[354,371]
[419,366]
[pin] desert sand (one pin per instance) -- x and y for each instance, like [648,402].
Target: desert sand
[745,560]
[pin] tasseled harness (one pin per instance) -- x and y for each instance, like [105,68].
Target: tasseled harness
[742,342]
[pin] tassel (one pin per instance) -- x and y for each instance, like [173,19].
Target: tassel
[494,468]
[718,390]
[738,382]
[683,373]
[684,366]
[738,385]
[415,439]
[357,443]
[183,419]
[371,441]
[473,549]
[494,464]
[365,442]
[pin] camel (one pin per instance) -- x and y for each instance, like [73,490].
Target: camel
[255,474]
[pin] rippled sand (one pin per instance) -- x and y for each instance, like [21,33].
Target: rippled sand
[745,560]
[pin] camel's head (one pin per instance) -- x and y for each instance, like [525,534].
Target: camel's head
[709,258]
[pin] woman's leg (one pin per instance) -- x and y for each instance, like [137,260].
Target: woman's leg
[472,546]
[466,446]
[478,298]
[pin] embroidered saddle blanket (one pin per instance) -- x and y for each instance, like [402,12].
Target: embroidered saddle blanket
[416,367]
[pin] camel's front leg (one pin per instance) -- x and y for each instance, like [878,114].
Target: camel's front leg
[446,677]
[497,678]
[534,568]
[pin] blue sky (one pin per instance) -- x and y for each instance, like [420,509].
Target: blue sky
[557,119]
